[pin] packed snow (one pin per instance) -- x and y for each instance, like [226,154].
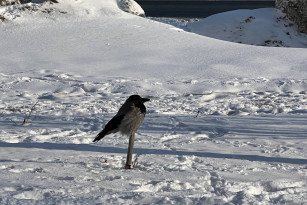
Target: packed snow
[226,123]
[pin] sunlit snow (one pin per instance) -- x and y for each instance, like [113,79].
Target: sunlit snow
[226,123]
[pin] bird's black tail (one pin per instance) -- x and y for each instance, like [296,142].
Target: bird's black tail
[111,127]
[100,136]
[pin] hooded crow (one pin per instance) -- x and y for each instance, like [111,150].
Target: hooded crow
[127,121]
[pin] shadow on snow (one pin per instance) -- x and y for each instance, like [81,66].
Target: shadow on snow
[93,148]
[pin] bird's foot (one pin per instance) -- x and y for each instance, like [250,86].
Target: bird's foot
[128,166]
[134,164]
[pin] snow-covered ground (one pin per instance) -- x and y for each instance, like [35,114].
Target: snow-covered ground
[261,27]
[226,123]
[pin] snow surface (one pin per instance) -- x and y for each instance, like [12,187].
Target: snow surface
[226,123]
[262,27]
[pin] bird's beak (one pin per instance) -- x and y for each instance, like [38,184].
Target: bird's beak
[145,99]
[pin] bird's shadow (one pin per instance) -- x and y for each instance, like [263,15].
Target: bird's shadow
[104,149]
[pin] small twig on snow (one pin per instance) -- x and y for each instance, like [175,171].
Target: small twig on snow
[27,117]
[135,162]
[197,114]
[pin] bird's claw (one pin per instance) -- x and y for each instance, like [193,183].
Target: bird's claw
[134,163]
[128,166]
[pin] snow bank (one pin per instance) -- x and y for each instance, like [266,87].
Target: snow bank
[263,27]
[131,6]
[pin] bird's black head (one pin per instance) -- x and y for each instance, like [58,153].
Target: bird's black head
[137,99]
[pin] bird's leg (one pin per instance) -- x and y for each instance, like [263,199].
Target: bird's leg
[130,152]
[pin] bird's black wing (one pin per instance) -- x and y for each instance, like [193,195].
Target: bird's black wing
[111,127]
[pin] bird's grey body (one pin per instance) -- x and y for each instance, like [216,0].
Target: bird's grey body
[131,121]
[127,121]
[128,118]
